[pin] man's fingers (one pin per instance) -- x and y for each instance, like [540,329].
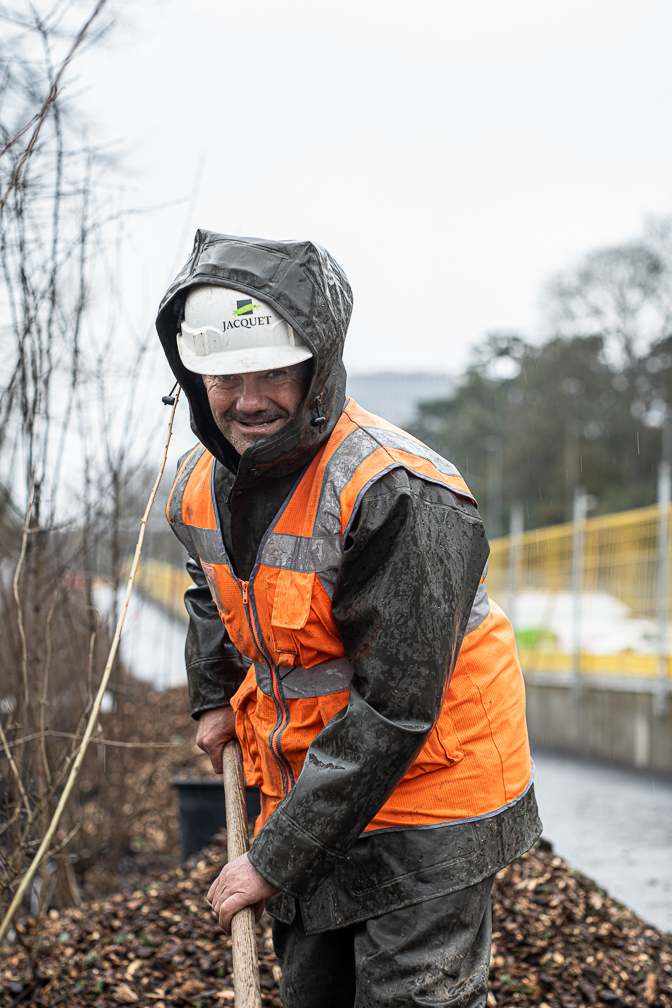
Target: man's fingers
[216,727]
[220,898]
[219,890]
[215,754]
[214,748]
[238,885]
[228,907]
[224,901]
[219,886]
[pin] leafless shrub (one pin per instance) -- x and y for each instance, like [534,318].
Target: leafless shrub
[69,481]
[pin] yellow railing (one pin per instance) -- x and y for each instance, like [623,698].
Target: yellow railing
[591,596]
[625,664]
[164,584]
[583,596]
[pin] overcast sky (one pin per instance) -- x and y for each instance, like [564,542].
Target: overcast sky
[451,155]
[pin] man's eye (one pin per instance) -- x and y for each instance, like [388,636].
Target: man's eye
[276,374]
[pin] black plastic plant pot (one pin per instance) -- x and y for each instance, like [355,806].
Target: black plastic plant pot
[203,811]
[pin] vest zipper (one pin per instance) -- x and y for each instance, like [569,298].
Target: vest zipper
[281,708]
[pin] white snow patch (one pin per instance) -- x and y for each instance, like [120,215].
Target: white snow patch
[606,622]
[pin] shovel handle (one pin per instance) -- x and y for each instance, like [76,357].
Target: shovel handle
[243,932]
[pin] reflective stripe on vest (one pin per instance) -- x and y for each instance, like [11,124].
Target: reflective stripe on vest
[281,619]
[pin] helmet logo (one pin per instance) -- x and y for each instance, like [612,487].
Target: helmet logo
[245,307]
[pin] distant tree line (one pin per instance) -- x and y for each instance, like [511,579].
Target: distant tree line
[586,411]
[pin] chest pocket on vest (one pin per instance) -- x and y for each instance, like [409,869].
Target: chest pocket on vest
[292,600]
[210,572]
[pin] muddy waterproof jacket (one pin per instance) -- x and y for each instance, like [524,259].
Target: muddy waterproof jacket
[407,576]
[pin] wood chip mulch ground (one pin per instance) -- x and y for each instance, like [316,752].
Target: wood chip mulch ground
[559,942]
[157,946]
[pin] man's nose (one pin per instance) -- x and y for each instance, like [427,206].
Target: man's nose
[251,400]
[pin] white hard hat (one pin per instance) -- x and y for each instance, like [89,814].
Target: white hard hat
[226,332]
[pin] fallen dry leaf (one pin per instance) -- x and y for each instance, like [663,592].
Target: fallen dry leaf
[125,995]
[133,968]
[189,988]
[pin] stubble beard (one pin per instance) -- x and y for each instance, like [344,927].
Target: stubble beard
[240,440]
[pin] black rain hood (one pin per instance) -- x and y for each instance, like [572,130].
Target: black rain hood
[310,290]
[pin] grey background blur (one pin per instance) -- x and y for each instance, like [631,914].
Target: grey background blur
[450,155]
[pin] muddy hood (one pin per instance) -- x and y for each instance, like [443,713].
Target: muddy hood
[310,290]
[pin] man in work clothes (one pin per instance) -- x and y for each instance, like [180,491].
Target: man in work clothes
[340,627]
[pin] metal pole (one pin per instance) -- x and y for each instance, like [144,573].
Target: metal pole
[578,542]
[494,480]
[664,495]
[515,537]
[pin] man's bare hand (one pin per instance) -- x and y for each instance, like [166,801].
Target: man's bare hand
[216,727]
[238,885]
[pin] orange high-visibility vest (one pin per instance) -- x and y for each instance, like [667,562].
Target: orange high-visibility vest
[476,760]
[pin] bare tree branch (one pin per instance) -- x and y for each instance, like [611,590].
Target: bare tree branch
[40,116]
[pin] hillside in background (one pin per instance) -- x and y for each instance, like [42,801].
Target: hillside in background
[395,395]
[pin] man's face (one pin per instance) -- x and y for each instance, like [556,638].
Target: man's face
[247,407]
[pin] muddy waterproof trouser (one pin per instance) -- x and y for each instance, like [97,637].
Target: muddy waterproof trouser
[435,953]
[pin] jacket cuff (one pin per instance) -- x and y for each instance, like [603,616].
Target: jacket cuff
[201,710]
[212,684]
[290,858]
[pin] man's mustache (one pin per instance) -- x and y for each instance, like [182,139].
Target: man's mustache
[263,416]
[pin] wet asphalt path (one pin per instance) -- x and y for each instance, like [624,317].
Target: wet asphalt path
[613,824]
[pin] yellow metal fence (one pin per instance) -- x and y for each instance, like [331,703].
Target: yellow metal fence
[590,596]
[164,584]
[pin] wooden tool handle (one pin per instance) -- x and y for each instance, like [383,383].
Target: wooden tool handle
[243,933]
